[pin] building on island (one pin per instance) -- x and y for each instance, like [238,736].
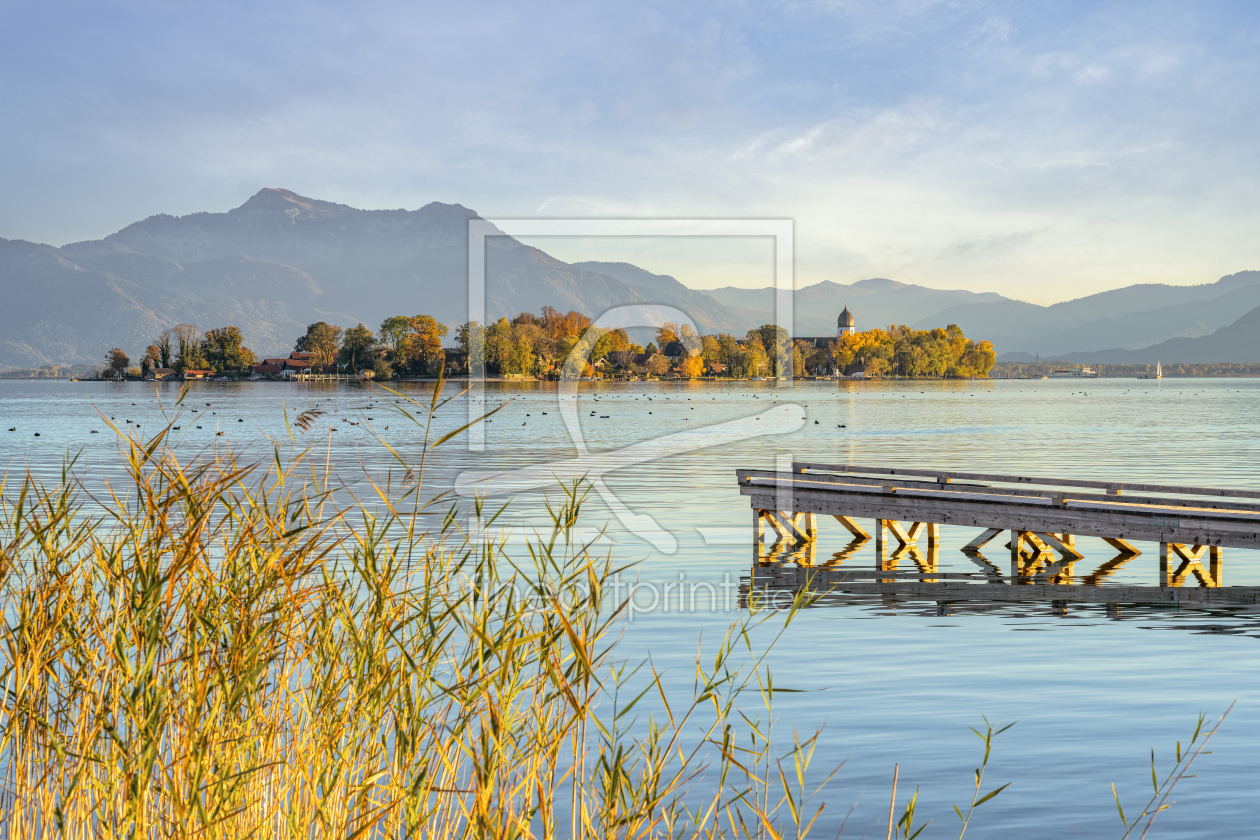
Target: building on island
[846,324]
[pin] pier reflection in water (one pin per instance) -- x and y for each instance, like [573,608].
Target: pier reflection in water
[786,569]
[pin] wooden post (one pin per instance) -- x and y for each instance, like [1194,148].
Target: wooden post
[1017,537]
[1165,559]
[1217,565]
[934,534]
[883,562]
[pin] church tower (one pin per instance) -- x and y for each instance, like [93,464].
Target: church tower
[845,324]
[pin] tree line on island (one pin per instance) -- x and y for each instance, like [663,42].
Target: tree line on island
[539,345]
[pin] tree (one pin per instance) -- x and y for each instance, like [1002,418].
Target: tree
[358,348]
[322,341]
[152,358]
[774,340]
[622,358]
[666,333]
[650,349]
[471,338]
[424,341]
[382,369]
[116,361]
[607,343]
[658,365]
[223,350]
[711,350]
[394,333]
[692,366]
[188,346]
[498,343]
[163,344]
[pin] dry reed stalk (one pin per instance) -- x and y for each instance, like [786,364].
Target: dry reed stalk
[216,650]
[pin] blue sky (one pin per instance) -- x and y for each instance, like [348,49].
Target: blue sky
[1044,150]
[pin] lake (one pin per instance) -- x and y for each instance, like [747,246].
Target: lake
[1091,689]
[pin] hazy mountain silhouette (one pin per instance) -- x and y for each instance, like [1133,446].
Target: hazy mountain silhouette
[876,302]
[377,263]
[710,315]
[281,261]
[271,266]
[1130,318]
[1236,342]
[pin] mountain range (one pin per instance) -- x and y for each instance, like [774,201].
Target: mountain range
[281,261]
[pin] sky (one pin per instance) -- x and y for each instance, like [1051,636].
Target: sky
[1042,150]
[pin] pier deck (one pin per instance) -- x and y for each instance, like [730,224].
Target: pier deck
[1191,525]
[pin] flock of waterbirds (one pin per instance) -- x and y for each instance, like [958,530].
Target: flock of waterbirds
[594,414]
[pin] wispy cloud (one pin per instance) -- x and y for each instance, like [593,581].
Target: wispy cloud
[909,138]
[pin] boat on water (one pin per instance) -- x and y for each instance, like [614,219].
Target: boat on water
[1159,373]
[1085,372]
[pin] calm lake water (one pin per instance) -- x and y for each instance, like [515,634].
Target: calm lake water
[1092,691]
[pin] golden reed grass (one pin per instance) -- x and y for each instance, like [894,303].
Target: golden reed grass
[213,649]
[217,650]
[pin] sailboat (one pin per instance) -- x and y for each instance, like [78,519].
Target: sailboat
[1159,371]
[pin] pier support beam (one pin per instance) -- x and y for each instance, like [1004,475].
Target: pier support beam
[906,538]
[978,542]
[1120,545]
[852,526]
[1191,558]
[794,527]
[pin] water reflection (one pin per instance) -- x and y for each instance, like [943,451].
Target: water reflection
[868,593]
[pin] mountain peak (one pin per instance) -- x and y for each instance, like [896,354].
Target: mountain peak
[880,283]
[277,200]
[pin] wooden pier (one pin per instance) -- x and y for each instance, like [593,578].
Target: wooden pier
[1043,516]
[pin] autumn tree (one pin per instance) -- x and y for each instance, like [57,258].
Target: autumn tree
[692,366]
[152,358]
[116,361]
[394,333]
[774,342]
[611,341]
[423,347]
[323,342]
[658,365]
[222,349]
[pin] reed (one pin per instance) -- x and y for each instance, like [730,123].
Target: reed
[214,649]
[222,650]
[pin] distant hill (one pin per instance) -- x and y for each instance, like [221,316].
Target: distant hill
[876,302]
[1129,318]
[271,266]
[71,305]
[281,261]
[710,315]
[377,263]
[1237,342]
